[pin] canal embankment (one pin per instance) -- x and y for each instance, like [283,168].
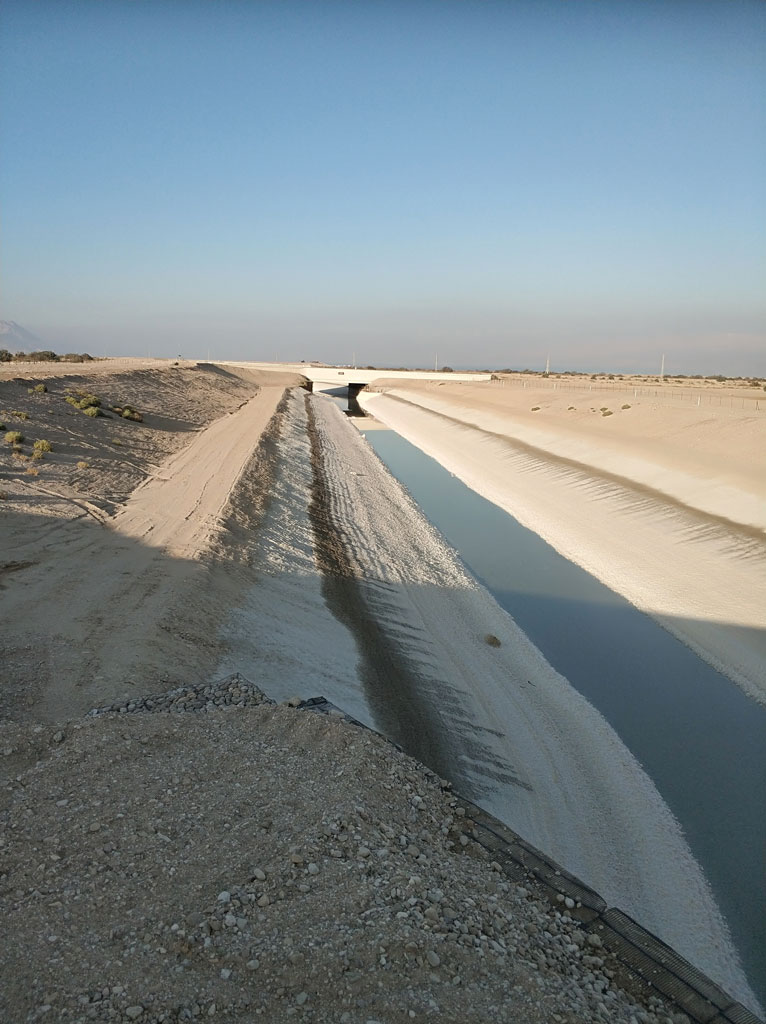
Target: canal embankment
[666,546]
[470,694]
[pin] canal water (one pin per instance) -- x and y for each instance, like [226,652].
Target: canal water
[700,739]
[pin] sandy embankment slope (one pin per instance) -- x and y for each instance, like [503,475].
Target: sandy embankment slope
[665,505]
[100,603]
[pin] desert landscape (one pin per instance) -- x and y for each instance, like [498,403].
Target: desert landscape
[210,547]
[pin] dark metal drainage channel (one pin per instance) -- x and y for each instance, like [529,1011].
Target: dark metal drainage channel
[643,959]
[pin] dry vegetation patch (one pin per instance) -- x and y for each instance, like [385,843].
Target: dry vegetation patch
[98,435]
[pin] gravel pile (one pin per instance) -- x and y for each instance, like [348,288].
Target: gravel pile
[264,863]
[234,690]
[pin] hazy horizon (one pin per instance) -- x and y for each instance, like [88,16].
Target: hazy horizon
[494,183]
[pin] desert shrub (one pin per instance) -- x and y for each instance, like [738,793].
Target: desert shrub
[14,437]
[606,412]
[492,640]
[75,357]
[32,471]
[44,356]
[604,408]
[571,408]
[127,412]
[92,411]
[38,456]
[39,389]
[535,408]
[84,400]
[42,445]
[82,465]
[5,356]
[626,406]
[19,414]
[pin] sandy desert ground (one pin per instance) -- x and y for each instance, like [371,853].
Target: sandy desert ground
[248,861]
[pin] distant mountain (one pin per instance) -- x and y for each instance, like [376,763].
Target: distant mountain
[16,338]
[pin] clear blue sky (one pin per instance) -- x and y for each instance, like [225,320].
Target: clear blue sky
[492,180]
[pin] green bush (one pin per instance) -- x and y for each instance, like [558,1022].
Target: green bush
[19,415]
[607,412]
[42,445]
[84,400]
[127,412]
[39,389]
[14,437]
[626,406]
[535,408]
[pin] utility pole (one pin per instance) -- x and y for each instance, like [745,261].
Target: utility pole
[548,365]
[662,367]
[436,362]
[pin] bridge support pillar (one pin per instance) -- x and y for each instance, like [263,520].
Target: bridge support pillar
[354,408]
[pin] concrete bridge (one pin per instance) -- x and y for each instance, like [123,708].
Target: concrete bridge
[353,379]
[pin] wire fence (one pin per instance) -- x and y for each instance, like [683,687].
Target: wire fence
[669,393]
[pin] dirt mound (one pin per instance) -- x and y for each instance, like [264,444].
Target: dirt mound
[264,863]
